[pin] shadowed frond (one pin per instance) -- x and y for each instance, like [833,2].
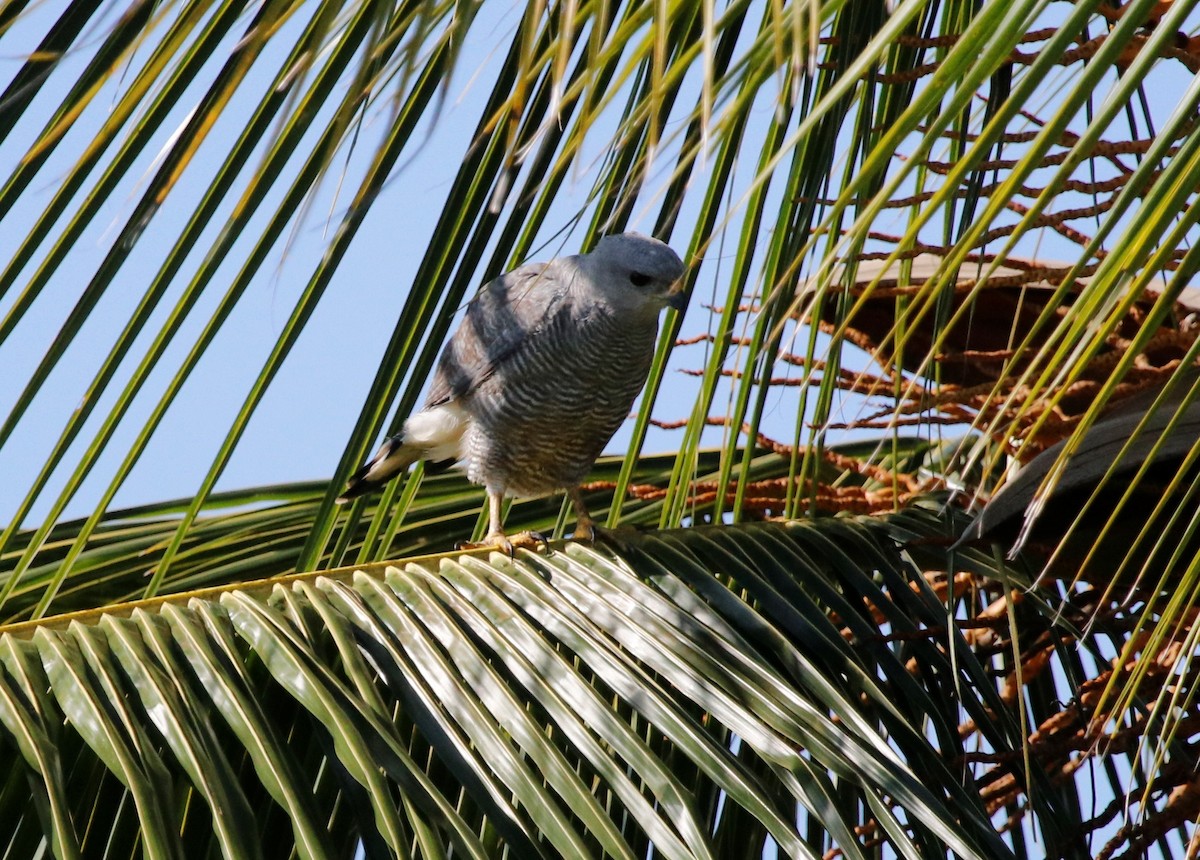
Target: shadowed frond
[554,690]
[711,691]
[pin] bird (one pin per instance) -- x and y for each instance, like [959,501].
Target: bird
[537,378]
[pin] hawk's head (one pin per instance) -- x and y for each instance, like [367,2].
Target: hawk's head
[637,272]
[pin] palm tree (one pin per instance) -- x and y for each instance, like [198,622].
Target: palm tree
[927,241]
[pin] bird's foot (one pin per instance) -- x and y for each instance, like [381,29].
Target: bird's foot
[508,544]
[587,530]
[621,538]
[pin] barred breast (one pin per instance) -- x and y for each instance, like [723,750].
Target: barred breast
[540,422]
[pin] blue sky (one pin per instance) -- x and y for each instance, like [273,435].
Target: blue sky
[301,427]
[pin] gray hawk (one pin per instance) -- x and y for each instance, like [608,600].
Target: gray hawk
[542,370]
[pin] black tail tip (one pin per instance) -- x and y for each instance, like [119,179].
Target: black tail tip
[351,493]
[355,487]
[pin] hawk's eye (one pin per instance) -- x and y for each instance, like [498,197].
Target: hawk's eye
[638,279]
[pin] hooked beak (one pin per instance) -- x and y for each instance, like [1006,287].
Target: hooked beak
[676,297]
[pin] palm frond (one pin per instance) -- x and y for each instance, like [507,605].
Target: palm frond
[710,691]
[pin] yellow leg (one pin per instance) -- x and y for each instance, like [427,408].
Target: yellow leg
[496,538]
[585,528]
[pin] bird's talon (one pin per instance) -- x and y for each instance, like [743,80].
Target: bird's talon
[531,540]
[622,539]
[508,545]
[499,542]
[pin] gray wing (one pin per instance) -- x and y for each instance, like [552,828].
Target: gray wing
[503,318]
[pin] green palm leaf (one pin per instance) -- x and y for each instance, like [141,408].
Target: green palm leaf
[552,690]
[710,691]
